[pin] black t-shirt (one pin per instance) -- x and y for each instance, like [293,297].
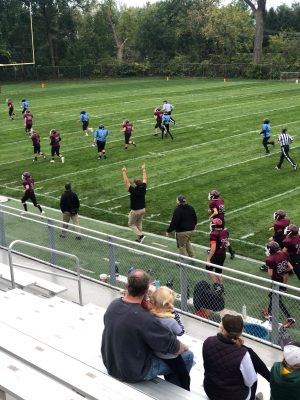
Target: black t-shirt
[137,196]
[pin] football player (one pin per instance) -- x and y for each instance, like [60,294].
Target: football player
[281,222]
[28,117]
[278,265]
[216,209]
[24,105]
[55,145]
[36,143]
[158,118]
[10,106]
[100,136]
[265,133]
[28,184]
[84,119]
[291,246]
[166,119]
[218,239]
[127,128]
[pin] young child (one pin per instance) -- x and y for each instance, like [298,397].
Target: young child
[162,306]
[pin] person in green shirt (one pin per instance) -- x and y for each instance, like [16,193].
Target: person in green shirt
[285,375]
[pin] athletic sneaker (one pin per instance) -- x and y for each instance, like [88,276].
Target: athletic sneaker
[277,168]
[78,237]
[289,322]
[295,167]
[63,159]
[105,157]
[232,254]
[43,212]
[86,134]
[23,212]
[52,161]
[263,268]
[141,238]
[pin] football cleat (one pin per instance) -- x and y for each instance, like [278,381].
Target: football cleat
[63,160]
[263,268]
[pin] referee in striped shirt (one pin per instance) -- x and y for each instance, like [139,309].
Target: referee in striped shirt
[284,139]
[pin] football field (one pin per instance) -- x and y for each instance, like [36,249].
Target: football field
[216,146]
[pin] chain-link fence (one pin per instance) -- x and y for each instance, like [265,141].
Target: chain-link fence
[121,70]
[263,304]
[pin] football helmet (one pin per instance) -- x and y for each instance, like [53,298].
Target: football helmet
[25,175]
[82,112]
[266,121]
[279,214]
[214,194]
[101,126]
[291,230]
[27,112]
[52,131]
[272,248]
[216,223]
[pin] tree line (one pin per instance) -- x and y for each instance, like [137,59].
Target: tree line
[73,32]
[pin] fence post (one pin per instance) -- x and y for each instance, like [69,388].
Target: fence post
[112,261]
[183,285]
[2,228]
[51,242]
[275,312]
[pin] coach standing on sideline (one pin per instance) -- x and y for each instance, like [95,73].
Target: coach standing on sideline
[137,203]
[184,222]
[284,139]
[69,205]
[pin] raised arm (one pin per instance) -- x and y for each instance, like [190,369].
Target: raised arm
[125,179]
[145,177]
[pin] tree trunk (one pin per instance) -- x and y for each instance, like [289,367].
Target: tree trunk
[258,12]
[259,36]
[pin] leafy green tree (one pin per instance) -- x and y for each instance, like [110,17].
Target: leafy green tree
[258,8]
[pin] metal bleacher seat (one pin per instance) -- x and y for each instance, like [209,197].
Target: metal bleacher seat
[62,340]
[25,279]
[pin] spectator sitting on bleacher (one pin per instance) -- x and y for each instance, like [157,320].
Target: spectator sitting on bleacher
[285,375]
[230,367]
[132,335]
[162,301]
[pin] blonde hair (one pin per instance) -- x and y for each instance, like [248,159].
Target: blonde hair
[163,298]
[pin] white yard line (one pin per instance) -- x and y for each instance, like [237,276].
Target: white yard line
[248,235]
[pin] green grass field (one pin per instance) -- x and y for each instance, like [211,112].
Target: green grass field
[217,146]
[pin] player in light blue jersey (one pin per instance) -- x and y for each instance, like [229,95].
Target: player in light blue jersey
[100,136]
[266,135]
[25,105]
[166,119]
[84,119]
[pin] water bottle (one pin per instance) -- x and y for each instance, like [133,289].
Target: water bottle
[157,283]
[244,311]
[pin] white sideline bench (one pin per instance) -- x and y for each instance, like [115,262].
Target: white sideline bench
[24,279]
[23,382]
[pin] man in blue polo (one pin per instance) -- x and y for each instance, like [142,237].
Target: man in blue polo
[100,136]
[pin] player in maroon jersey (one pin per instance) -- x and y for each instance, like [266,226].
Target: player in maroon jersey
[28,184]
[10,106]
[28,117]
[291,246]
[279,266]
[127,130]
[55,145]
[158,118]
[36,143]
[281,222]
[216,209]
[218,239]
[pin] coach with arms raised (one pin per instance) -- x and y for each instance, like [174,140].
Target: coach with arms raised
[137,202]
[132,335]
